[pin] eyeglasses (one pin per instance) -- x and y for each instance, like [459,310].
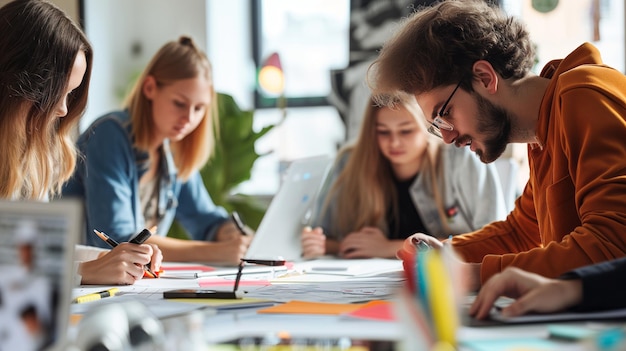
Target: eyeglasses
[439,123]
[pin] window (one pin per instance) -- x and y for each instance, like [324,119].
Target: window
[311,38]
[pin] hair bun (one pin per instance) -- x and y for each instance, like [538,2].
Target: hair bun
[185,41]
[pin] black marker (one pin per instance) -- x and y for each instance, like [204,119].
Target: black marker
[138,239]
[279,261]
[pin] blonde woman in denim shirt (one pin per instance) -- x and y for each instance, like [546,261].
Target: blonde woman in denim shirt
[140,165]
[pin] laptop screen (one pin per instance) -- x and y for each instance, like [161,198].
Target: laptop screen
[36,269]
[291,209]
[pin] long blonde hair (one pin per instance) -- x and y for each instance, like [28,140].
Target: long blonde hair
[37,150]
[364,191]
[176,60]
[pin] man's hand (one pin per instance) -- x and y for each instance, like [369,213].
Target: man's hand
[410,245]
[533,292]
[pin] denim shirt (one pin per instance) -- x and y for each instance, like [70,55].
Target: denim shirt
[107,179]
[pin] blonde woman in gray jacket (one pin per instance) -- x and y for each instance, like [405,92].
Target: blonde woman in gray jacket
[396,180]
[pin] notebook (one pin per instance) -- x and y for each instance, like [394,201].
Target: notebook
[290,210]
[36,265]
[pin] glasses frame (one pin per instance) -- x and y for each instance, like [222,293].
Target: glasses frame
[439,123]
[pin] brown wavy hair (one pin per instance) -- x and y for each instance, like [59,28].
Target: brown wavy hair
[438,45]
[39,45]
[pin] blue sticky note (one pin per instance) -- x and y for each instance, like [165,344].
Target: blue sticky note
[571,332]
[526,344]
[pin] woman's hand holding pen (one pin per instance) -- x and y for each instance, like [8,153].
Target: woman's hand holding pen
[313,242]
[229,251]
[156,258]
[232,242]
[123,265]
[229,231]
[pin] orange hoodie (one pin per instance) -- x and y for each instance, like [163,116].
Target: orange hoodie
[573,209]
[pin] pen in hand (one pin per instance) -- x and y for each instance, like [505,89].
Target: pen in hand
[420,244]
[139,239]
[239,223]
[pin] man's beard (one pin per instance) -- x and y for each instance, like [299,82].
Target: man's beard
[494,123]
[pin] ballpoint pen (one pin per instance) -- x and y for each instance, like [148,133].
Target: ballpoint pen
[420,244]
[239,223]
[138,239]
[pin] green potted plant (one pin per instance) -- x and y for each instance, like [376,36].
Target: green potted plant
[231,163]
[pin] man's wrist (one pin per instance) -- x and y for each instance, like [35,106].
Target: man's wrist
[572,291]
[474,277]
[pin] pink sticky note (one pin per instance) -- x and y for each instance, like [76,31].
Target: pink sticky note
[213,281]
[375,310]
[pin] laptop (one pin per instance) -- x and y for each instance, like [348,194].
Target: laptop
[36,268]
[292,208]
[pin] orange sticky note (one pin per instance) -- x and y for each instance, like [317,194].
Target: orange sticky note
[305,307]
[75,318]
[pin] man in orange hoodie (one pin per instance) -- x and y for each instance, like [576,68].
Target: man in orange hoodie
[468,65]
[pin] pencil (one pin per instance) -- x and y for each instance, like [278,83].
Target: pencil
[106,238]
[114,243]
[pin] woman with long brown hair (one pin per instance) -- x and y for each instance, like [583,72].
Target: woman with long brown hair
[45,71]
